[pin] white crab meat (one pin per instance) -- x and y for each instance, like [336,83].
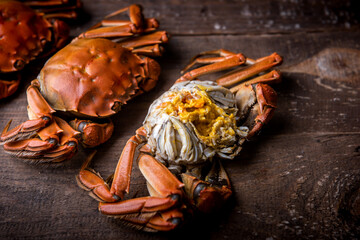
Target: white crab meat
[192,122]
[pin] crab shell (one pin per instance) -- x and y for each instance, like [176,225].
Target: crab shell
[192,122]
[23,35]
[93,77]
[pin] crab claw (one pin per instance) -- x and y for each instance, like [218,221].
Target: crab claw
[159,212]
[43,138]
[24,130]
[54,143]
[93,134]
[8,88]
[210,195]
[256,103]
[92,182]
[146,213]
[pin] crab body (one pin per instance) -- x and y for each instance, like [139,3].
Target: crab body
[97,77]
[192,122]
[25,35]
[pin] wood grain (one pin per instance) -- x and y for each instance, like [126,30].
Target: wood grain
[300,178]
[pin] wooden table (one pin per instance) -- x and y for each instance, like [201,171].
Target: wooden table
[299,178]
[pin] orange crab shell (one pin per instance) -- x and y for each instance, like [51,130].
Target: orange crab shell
[92,77]
[23,35]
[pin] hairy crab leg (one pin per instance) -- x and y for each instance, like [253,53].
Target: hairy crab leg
[228,62]
[160,211]
[257,103]
[54,143]
[121,178]
[105,32]
[222,53]
[252,70]
[150,51]
[271,77]
[91,181]
[209,195]
[47,3]
[149,23]
[55,8]
[41,116]
[144,40]
[134,11]
[121,181]
[93,134]
[43,138]
[120,28]
[147,45]
[67,146]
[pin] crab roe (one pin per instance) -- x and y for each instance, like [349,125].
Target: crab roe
[192,122]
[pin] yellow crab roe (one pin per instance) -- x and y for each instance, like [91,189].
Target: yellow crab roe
[213,125]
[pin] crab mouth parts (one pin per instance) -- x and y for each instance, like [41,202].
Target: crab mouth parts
[116,107]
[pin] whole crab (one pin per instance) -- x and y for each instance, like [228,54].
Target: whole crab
[89,78]
[26,34]
[186,131]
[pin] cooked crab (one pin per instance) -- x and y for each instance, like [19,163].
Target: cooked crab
[186,132]
[90,78]
[26,34]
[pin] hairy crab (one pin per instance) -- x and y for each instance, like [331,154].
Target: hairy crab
[89,78]
[28,30]
[187,130]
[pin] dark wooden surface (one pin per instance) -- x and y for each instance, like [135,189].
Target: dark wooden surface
[299,179]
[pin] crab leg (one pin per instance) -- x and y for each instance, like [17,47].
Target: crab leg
[58,8]
[121,28]
[91,181]
[209,195]
[152,213]
[41,116]
[134,11]
[271,77]
[38,105]
[121,181]
[45,3]
[93,134]
[115,31]
[57,142]
[222,53]
[228,62]
[149,23]
[144,40]
[43,138]
[242,74]
[160,211]
[151,51]
[256,104]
